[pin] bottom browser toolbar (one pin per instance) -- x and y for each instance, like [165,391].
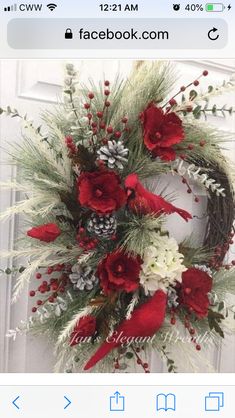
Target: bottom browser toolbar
[107,401]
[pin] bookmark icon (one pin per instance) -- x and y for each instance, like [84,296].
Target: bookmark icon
[166,402]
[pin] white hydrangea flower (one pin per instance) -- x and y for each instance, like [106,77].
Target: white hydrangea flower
[162,264]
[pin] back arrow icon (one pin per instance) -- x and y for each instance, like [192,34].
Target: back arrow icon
[212,34]
[14,402]
[68,402]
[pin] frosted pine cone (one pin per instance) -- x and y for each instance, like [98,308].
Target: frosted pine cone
[103,226]
[83,277]
[172,298]
[114,154]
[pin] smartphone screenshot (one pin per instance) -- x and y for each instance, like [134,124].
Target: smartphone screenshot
[117,239]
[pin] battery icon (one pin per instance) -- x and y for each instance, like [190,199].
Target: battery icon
[215,7]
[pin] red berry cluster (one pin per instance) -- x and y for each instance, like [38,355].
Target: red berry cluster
[98,125]
[139,361]
[111,133]
[71,145]
[220,251]
[54,286]
[97,119]
[86,242]
[191,147]
[190,190]
[188,327]
[172,102]
[192,332]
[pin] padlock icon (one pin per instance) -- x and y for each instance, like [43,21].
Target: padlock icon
[68,34]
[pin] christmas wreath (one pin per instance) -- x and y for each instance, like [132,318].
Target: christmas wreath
[113,284]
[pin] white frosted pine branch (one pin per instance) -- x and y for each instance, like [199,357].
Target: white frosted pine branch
[195,173]
[50,183]
[48,251]
[226,87]
[39,203]
[14,185]
[66,332]
[64,167]
[131,306]
[25,278]
[21,329]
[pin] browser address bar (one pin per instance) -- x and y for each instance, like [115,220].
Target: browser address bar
[117,33]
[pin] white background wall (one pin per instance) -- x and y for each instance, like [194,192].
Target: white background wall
[32,86]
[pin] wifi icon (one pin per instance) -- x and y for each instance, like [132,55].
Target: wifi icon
[51,6]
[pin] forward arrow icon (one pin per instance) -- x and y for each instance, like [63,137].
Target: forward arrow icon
[68,402]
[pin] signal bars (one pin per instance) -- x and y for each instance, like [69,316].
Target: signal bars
[12,8]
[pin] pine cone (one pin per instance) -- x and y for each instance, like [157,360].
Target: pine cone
[83,277]
[103,226]
[172,300]
[114,154]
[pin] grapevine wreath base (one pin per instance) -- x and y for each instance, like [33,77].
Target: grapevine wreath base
[113,284]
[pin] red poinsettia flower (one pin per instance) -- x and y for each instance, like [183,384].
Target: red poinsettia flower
[161,132]
[46,233]
[194,289]
[101,191]
[119,271]
[85,328]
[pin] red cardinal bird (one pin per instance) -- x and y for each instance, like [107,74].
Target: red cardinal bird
[142,201]
[145,322]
